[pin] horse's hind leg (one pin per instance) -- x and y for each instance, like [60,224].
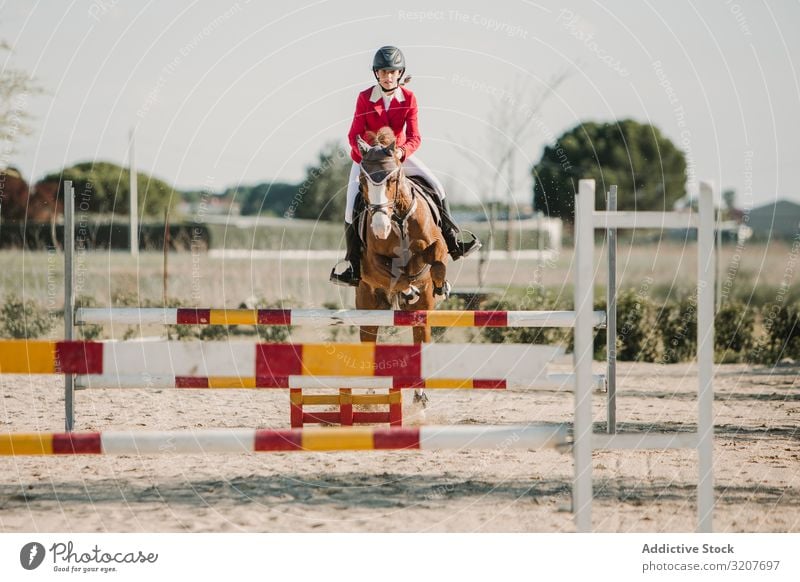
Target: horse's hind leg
[422,334]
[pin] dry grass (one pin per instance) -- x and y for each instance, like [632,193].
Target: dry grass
[753,273]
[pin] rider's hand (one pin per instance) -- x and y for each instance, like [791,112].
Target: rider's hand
[402,154]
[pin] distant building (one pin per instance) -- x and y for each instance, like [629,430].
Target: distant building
[779,219]
[211,205]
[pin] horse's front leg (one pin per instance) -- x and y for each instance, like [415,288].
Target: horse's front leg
[369,333]
[367,298]
[436,257]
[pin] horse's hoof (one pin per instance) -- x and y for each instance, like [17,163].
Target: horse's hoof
[443,291]
[411,295]
[421,398]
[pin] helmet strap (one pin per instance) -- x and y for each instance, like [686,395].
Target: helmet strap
[375,72]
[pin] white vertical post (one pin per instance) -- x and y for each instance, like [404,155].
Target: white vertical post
[584,284]
[705,358]
[69,296]
[611,320]
[540,247]
[555,234]
[717,261]
[134,201]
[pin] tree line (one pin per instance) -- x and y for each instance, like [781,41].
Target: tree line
[100,188]
[648,168]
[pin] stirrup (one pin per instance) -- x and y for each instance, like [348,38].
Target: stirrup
[466,244]
[346,278]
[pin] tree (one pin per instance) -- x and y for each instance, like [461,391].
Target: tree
[104,187]
[16,87]
[322,195]
[267,198]
[729,198]
[514,110]
[649,170]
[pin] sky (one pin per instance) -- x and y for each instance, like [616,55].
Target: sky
[235,92]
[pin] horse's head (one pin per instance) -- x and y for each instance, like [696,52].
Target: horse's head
[380,171]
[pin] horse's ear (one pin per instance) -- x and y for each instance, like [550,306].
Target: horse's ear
[363,146]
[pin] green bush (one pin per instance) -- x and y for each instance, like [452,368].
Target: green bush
[781,337]
[90,331]
[24,319]
[207,332]
[733,331]
[600,335]
[273,333]
[677,325]
[637,329]
[533,301]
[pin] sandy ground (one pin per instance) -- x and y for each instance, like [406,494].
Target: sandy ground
[757,464]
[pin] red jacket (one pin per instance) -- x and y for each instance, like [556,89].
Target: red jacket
[371,116]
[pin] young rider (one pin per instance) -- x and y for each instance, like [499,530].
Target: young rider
[389,103]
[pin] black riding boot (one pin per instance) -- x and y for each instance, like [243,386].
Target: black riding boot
[456,245]
[351,276]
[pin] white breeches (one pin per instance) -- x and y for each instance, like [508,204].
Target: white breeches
[412,166]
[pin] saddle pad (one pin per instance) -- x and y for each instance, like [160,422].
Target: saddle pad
[425,191]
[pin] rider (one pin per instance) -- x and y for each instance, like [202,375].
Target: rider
[389,103]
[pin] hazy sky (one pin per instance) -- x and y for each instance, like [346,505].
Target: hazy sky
[233,92]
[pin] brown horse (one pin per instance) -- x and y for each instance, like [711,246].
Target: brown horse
[403,265]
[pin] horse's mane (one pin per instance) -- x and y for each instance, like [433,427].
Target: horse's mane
[384,137]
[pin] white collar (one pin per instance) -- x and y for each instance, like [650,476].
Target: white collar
[377,93]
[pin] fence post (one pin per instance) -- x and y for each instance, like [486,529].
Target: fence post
[611,321]
[584,282]
[69,298]
[705,358]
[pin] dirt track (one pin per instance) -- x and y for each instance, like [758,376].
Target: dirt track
[757,464]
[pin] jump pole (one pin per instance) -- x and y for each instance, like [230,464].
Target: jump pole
[69,297]
[552,382]
[231,441]
[332,317]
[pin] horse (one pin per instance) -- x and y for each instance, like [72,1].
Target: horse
[404,263]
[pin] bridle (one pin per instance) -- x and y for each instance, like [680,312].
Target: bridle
[384,207]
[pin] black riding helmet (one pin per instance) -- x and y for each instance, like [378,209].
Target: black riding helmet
[390,58]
